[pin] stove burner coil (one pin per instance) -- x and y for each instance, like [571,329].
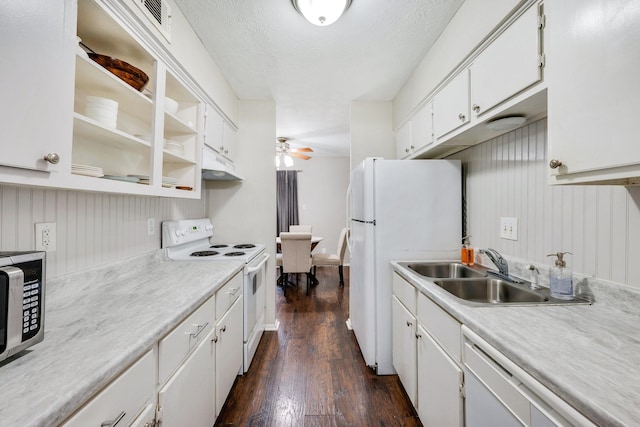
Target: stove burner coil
[218,246]
[204,253]
[234,253]
[245,246]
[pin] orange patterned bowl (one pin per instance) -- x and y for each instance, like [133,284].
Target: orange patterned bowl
[126,72]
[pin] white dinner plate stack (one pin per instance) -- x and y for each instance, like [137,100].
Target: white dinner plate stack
[174,147]
[87,170]
[169,182]
[102,110]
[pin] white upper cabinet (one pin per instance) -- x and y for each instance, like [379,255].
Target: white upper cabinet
[126,139]
[404,146]
[229,142]
[451,105]
[422,127]
[510,64]
[593,54]
[502,77]
[36,84]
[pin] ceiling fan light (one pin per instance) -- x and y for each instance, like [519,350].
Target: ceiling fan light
[321,12]
[288,161]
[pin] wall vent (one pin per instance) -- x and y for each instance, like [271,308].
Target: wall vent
[159,13]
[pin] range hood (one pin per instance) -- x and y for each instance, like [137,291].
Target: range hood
[216,168]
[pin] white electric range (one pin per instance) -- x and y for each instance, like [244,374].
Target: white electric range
[191,240]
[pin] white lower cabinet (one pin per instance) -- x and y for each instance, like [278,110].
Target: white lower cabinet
[122,400]
[404,348]
[147,417]
[439,378]
[500,393]
[187,398]
[228,351]
[184,379]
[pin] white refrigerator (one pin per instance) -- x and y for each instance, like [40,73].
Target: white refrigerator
[400,210]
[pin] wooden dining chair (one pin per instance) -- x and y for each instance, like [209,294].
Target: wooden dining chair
[333,259]
[296,256]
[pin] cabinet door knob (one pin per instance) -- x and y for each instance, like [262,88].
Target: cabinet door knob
[409,323]
[406,150]
[555,164]
[52,158]
[413,147]
[224,328]
[476,107]
[418,336]
[461,117]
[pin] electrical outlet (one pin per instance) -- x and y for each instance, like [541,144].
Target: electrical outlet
[151,226]
[509,228]
[45,235]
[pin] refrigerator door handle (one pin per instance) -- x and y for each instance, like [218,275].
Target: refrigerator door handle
[364,222]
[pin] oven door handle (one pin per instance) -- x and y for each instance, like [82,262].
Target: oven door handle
[254,270]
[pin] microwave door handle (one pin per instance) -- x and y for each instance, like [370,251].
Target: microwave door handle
[254,270]
[14,305]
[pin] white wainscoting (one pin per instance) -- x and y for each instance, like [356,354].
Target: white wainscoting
[507,177]
[92,228]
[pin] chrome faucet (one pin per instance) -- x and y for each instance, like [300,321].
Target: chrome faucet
[501,263]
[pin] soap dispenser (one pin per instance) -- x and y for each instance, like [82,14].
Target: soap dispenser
[467,256]
[561,278]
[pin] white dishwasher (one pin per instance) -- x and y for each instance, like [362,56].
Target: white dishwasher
[498,393]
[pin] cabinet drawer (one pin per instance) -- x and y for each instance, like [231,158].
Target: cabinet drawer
[228,294]
[442,327]
[174,347]
[500,382]
[405,292]
[123,398]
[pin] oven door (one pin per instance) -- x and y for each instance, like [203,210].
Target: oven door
[254,305]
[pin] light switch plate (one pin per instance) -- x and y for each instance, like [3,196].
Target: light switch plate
[151,226]
[509,228]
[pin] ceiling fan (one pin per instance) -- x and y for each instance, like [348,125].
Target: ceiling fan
[283,149]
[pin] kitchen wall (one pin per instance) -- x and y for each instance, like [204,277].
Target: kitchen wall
[371,131]
[92,228]
[507,176]
[322,187]
[246,211]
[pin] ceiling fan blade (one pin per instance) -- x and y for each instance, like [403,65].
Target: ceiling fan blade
[303,150]
[300,156]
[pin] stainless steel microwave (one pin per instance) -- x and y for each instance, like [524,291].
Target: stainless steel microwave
[22,290]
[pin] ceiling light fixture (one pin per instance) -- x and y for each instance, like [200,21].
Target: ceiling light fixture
[321,12]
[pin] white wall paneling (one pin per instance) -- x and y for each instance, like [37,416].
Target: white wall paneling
[507,176]
[92,228]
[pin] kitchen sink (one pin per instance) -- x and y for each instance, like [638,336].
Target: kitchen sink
[496,292]
[442,270]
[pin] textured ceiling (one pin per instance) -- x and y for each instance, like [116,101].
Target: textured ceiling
[268,51]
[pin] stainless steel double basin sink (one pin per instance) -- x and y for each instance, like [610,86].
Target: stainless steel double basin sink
[475,286]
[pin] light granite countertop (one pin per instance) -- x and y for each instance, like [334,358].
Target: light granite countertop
[589,355]
[97,323]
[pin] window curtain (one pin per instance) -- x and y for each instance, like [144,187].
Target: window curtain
[287,200]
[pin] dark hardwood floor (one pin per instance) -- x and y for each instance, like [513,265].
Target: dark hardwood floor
[311,372]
